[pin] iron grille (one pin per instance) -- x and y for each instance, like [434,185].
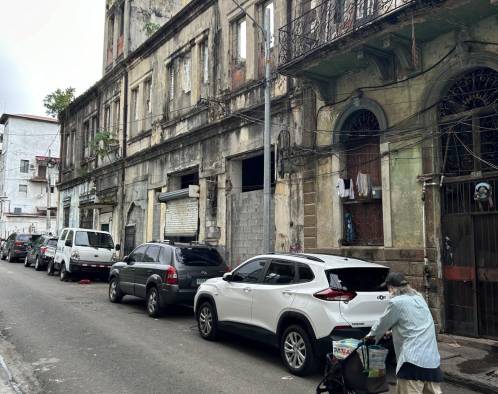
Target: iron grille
[458,197]
[330,21]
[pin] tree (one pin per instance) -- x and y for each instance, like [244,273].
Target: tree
[58,100]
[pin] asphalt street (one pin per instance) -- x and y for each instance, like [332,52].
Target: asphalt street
[68,338]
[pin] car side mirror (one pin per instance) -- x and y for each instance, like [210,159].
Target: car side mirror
[127,260]
[118,247]
[227,277]
[69,243]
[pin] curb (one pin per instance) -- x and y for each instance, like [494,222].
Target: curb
[11,383]
[470,384]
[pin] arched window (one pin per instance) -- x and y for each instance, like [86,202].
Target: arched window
[360,137]
[469,123]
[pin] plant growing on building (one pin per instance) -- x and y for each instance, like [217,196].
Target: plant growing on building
[104,144]
[150,28]
[58,100]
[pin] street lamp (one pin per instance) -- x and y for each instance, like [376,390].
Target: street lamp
[267,129]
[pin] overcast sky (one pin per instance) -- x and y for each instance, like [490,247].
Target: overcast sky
[45,45]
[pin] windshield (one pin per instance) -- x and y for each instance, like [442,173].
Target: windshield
[358,279]
[199,256]
[93,239]
[23,237]
[52,242]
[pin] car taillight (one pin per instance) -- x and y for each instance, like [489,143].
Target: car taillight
[335,295]
[19,243]
[171,276]
[43,249]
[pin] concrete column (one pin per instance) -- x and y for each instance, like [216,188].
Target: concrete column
[386,194]
[149,222]
[195,72]
[337,231]
[251,45]
[202,208]
[163,214]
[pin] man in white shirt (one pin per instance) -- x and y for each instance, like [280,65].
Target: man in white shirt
[414,337]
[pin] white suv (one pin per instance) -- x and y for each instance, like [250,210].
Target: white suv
[297,302]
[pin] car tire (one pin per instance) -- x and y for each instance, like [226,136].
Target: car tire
[10,258]
[64,275]
[152,302]
[207,321]
[50,268]
[38,265]
[115,294]
[297,352]
[26,262]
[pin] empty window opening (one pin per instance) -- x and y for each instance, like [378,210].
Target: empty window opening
[241,37]
[253,173]
[189,179]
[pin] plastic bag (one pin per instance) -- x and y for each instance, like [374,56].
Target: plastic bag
[343,348]
[374,360]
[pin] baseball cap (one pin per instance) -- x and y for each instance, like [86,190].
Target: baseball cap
[395,279]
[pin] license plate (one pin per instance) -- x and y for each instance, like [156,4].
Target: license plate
[200,281]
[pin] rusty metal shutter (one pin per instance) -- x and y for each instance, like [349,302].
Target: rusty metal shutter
[182,216]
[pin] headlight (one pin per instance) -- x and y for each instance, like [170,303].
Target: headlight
[75,255]
[115,257]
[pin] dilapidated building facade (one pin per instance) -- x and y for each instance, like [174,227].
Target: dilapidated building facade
[168,144]
[383,115]
[401,168]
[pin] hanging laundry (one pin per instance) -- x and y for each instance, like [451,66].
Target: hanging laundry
[345,188]
[349,227]
[364,184]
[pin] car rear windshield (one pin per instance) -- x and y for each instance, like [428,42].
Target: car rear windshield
[93,239]
[52,242]
[199,257]
[357,279]
[23,237]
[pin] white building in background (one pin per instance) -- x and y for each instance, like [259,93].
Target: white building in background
[29,159]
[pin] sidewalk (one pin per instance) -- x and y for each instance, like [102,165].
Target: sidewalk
[470,363]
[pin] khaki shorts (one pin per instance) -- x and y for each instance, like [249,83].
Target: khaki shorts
[404,386]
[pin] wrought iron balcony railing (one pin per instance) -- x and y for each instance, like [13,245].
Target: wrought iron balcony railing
[330,21]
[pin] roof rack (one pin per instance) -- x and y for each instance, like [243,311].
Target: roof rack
[302,255]
[309,257]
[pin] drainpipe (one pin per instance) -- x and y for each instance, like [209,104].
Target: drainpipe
[427,271]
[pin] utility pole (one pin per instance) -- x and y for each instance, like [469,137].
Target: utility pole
[48,192]
[267,141]
[267,128]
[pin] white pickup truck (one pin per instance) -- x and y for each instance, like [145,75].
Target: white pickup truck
[84,251]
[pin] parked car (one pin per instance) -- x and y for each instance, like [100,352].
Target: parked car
[164,273]
[41,252]
[81,250]
[17,245]
[296,302]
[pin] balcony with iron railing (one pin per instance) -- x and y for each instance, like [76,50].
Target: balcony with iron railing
[336,28]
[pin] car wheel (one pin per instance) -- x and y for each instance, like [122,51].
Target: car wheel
[50,268]
[207,321]
[153,302]
[64,275]
[38,266]
[297,351]
[26,262]
[115,294]
[10,257]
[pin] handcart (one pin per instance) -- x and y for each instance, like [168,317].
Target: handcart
[354,367]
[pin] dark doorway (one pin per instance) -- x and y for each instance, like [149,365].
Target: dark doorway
[129,242]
